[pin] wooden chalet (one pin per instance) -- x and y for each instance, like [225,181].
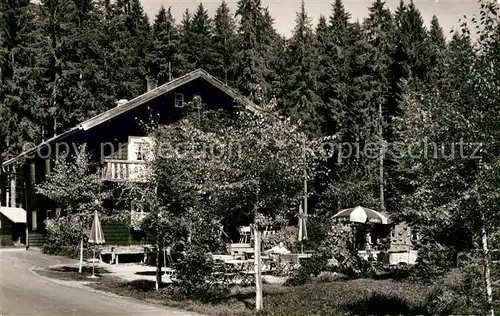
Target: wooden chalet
[121,126]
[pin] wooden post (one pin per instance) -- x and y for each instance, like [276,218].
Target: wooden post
[259,304]
[47,167]
[32,173]
[81,256]
[13,188]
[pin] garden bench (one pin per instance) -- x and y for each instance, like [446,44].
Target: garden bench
[116,251]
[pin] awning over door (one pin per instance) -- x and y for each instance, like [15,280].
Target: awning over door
[15,214]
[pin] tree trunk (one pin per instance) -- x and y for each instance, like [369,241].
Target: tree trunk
[381,158]
[258,271]
[487,271]
[158,267]
[81,256]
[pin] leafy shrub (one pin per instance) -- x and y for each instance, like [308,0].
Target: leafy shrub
[309,269]
[434,260]
[461,292]
[63,237]
[194,278]
[339,246]
[6,240]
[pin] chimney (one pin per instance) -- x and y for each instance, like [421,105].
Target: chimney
[151,84]
[121,102]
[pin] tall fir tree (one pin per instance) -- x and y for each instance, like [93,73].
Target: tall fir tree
[334,67]
[131,41]
[252,69]
[224,43]
[379,29]
[18,77]
[300,100]
[436,43]
[185,43]
[165,55]
[201,46]
[59,59]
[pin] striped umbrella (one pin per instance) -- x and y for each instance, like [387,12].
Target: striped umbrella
[96,237]
[302,224]
[361,215]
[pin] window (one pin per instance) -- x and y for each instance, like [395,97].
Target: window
[33,220]
[50,213]
[58,212]
[179,100]
[141,149]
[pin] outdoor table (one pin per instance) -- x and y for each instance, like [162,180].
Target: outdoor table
[241,268]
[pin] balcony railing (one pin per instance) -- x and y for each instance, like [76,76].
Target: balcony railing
[126,170]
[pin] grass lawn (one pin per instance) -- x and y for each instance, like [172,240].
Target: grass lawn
[69,273]
[327,297]
[354,297]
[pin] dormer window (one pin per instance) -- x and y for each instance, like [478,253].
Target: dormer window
[179,100]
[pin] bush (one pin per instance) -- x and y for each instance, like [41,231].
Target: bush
[194,278]
[6,240]
[339,246]
[461,292]
[311,268]
[433,261]
[63,237]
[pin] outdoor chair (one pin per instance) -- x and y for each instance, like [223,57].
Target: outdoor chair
[288,263]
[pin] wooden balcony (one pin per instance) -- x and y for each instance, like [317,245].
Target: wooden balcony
[125,170]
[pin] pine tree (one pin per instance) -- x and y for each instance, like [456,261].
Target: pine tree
[379,28]
[411,44]
[91,88]
[165,45]
[334,66]
[185,44]
[436,43]
[224,43]
[252,68]
[201,45]
[131,40]
[17,77]
[301,101]
[59,58]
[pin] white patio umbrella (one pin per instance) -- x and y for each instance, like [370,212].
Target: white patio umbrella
[96,237]
[361,215]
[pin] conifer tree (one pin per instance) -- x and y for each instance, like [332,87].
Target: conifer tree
[185,43]
[201,45]
[130,37]
[18,32]
[301,101]
[165,56]
[58,57]
[252,68]
[436,43]
[224,43]
[379,29]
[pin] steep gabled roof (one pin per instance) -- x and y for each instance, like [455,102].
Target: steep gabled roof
[114,112]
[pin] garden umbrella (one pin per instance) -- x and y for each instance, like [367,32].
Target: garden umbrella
[302,224]
[96,236]
[361,215]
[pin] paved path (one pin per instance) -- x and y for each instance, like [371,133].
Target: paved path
[24,293]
